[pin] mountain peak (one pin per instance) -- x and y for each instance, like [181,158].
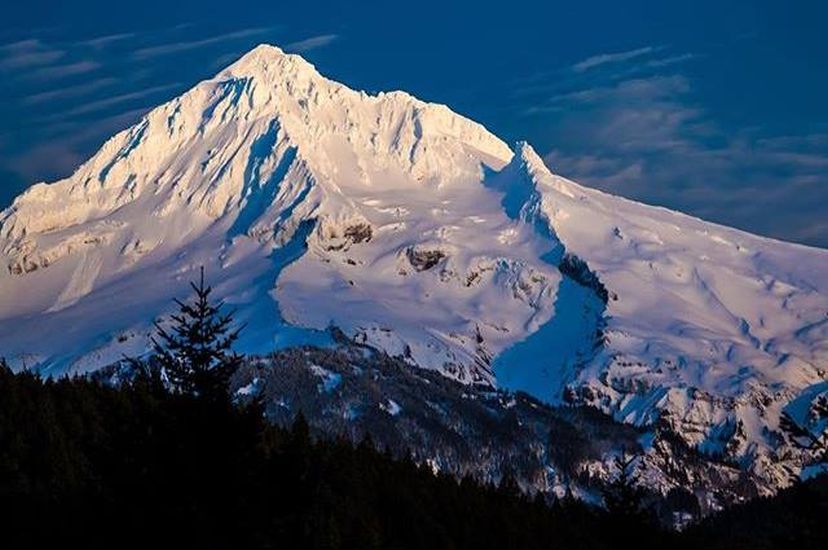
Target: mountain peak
[528,160]
[267,60]
[266,51]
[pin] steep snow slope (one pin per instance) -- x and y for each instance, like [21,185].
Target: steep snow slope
[242,173]
[708,329]
[417,231]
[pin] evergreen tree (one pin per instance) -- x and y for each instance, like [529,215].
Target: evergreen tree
[195,352]
[627,516]
[508,485]
[622,497]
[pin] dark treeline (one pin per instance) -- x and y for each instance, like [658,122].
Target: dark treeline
[795,518]
[136,465]
[83,462]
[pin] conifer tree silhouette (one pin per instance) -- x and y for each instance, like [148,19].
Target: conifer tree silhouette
[622,496]
[195,351]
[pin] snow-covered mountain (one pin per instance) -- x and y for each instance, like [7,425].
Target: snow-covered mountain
[416,231]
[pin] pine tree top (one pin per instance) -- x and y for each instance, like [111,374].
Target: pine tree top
[194,348]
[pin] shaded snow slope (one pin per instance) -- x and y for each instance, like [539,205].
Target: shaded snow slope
[415,230]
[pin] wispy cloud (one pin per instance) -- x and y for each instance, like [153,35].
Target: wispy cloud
[632,124]
[311,43]
[670,60]
[617,57]
[186,45]
[108,102]
[27,53]
[60,71]
[103,41]
[602,70]
[69,92]
[78,131]
[634,90]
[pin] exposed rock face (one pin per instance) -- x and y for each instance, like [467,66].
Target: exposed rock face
[468,430]
[423,260]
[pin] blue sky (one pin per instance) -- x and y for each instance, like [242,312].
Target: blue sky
[714,108]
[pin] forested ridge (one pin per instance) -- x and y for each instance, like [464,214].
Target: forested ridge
[136,465]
